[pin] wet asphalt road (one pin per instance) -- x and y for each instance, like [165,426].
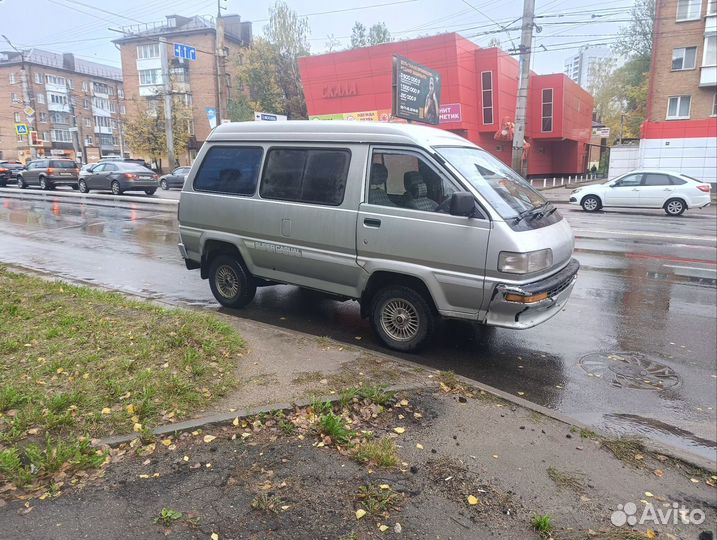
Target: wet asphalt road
[632,353]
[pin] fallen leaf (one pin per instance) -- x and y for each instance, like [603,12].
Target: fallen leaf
[186,458]
[521,393]
[384,486]
[650,534]
[235,421]
[245,435]
[130,409]
[472,500]
[404,403]
[137,427]
[495,456]
[106,410]
[285,507]
[167,442]
[648,494]
[144,476]
[694,480]
[383,528]
[360,513]
[639,457]
[209,438]
[419,446]
[214,536]
[399,430]
[659,473]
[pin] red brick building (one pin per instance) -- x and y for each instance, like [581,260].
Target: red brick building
[479,88]
[681,128]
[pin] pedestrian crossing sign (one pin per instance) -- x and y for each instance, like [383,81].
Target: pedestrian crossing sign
[21,129]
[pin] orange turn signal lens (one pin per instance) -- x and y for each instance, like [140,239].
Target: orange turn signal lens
[520,299]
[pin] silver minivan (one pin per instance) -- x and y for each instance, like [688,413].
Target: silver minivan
[413,222]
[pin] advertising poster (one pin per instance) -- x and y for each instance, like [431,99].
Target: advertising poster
[383,115]
[416,91]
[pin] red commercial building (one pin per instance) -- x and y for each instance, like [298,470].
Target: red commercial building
[478,97]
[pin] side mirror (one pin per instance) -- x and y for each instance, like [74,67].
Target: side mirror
[462,204]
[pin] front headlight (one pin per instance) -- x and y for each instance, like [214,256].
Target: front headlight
[525,263]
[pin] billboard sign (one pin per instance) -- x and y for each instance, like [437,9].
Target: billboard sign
[416,91]
[382,115]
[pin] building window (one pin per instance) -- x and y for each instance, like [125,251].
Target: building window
[150,76]
[678,107]
[41,98]
[112,106]
[123,110]
[17,118]
[150,50]
[111,90]
[709,58]
[70,84]
[88,122]
[88,140]
[38,78]
[547,111]
[43,117]
[714,104]
[711,7]
[59,118]
[684,58]
[11,78]
[688,10]
[45,136]
[102,121]
[85,87]
[487,88]
[61,135]
[120,93]
[15,98]
[85,103]
[53,79]
[58,99]
[72,100]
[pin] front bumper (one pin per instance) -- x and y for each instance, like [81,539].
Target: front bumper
[510,314]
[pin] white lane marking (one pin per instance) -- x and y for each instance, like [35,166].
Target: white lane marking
[710,270]
[653,235]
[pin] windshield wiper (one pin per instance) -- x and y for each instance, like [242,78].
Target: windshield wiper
[533,213]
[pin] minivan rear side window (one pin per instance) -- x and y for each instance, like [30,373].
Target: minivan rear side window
[229,169]
[306,175]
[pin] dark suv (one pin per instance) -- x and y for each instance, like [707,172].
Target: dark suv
[49,173]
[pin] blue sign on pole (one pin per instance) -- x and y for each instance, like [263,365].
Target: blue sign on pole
[185,51]
[212,117]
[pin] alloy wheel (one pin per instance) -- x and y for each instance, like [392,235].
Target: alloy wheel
[399,319]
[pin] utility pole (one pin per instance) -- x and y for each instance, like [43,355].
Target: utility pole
[521,109]
[622,125]
[119,119]
[219,58]
[168,120]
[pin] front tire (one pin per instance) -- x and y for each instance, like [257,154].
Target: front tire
[675,207]
[402,318]
[83,187]
[44,185]
[230,281]
[163,184]
[116,189]
[591,203]
[21,183]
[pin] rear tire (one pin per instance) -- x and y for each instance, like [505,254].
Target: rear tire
[44,185]
[116,189]
[675,207]
[591,203]
[150,191]
[402,318]
[231,283]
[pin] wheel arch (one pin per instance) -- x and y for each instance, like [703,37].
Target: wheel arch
[213,247]
[383,278]
[598,197]
[677,198]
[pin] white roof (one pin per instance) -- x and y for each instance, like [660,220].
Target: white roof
[338,131]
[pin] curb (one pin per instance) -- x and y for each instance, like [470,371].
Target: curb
[224,418]
[168,205]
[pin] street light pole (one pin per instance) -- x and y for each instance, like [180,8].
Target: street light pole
[521,108]
[168,119]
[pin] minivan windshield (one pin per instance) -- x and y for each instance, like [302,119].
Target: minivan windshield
[504,189]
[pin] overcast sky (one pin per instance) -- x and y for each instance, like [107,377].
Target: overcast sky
[74,26]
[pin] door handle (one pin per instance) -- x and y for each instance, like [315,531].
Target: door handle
[370,222]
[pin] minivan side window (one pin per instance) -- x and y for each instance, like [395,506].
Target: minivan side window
[229,169]
[405,180]
[315,176]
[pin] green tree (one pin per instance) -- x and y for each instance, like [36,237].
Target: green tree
[378,33]
[635,39]
[144,131]
[269,78]
[358,36]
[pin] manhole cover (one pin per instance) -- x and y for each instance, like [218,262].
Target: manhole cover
[630,370]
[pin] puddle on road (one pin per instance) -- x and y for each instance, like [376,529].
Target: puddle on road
[630,370]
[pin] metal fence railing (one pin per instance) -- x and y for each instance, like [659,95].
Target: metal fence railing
[545,183]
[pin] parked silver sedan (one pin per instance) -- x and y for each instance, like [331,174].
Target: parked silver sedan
[118,176]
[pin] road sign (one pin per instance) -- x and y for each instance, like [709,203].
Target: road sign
[185,51]
[212,117]
[29,111]
[268,117]
[21,129]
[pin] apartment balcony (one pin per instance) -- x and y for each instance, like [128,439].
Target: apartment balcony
[59,107]
[56,88]
[708,76]
[150,90]
[103,130]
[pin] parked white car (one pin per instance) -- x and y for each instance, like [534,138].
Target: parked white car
[672,191]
